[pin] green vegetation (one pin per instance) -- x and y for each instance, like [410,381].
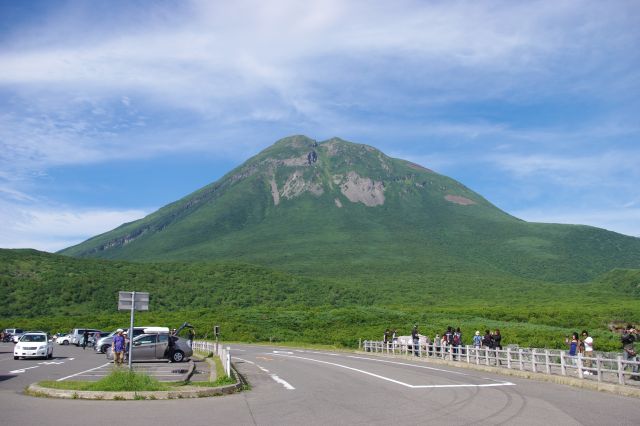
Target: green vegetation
[117,381]
[256,304]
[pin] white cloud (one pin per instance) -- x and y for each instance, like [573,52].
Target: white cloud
[52,228]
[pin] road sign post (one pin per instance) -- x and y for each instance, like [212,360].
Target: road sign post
[132,301]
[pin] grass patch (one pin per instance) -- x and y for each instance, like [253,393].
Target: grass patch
[117,381]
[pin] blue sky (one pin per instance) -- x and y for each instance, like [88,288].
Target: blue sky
[112,109]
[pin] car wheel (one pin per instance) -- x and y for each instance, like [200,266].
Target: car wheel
[178,356]
[104,348]
[16,357]
[65,342]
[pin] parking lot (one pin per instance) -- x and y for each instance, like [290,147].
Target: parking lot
[74,363]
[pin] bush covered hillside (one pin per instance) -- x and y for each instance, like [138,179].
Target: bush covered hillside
[342,210]
[252,303]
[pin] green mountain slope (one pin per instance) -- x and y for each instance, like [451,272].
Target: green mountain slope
[337,208]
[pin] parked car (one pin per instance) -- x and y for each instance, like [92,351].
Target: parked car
[105,342]
[152,346]
[64,339]
[10,333]
[78,333]
[15,337]
[34,344]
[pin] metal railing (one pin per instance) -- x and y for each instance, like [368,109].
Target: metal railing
[600,366]
[216,348]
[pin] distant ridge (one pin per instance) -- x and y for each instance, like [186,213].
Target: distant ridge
[335,207]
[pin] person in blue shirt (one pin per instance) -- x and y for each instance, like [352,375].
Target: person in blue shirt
[118,347]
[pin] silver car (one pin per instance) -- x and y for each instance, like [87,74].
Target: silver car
[153,344]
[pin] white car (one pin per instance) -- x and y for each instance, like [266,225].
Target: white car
[33,345]
[64,339]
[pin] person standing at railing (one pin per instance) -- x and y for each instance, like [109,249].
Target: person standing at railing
[497,344]
[587,342]
[437,342]
[574,345]
[415,336]
[477,340]
[629,338]
[385,338]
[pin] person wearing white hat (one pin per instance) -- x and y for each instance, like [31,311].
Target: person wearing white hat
[477,339]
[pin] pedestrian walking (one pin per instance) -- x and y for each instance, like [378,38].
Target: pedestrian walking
[118,347]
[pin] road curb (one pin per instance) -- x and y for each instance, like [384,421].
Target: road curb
[561,380]
[184,393]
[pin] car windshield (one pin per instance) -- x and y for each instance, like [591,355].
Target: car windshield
[34,338]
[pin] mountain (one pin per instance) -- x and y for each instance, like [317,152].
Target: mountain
[341,209]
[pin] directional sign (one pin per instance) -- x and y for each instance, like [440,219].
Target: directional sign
[126,299]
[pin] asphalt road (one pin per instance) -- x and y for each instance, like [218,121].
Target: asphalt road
[293,387]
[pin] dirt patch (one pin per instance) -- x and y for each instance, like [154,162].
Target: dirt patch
[361,190]
[296,161]
[274,191]
[459,200]
[296,185]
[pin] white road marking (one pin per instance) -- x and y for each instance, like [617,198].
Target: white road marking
[22,370]
[282,382]
[82,372]
[410,365]
[273,376]
[398,381]
[283,352]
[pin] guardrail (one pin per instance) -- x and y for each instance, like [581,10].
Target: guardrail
[216,348]
[546,361]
